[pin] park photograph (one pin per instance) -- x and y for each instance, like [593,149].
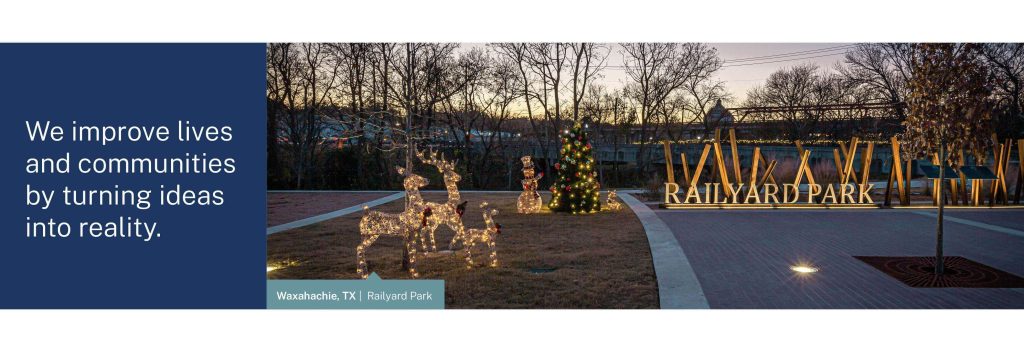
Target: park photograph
[652,175]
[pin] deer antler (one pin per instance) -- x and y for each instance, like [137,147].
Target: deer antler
[430,158]
[419,154]
[445,163]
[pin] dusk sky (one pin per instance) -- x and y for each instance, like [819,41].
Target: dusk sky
[746,64]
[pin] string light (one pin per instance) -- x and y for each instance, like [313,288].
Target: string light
[450,212]
[529,201]
[776,141]
[613,201]
[404,225]
[489,234]
[575,190]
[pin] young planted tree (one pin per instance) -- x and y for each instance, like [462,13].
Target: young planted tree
[949,111]
[576,189]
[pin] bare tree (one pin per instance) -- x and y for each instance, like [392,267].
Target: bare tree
[1006,61]
[588,60]
[424,77]
[884,68]
[791,87]
[503,90]
[465,109]
[540,65]
[656,71]
[354,58]
[279,84]
[702,96]
[301,79]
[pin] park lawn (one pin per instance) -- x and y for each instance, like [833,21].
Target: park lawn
[600,260]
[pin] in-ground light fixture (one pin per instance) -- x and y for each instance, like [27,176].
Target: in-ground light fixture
[804,269]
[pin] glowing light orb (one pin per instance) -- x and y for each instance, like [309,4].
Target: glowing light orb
[804,269]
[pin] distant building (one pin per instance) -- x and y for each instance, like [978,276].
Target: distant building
[719,115]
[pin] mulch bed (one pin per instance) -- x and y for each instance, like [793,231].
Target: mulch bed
[959,272]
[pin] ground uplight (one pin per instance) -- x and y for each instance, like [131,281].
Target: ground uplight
[804,269]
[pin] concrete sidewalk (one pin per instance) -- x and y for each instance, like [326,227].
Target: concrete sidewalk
[678,286]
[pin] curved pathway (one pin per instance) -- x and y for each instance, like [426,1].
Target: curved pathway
[678,286]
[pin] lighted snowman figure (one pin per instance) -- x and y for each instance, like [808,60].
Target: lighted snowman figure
[530,200]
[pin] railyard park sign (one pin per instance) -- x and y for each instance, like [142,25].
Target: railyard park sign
[758,188]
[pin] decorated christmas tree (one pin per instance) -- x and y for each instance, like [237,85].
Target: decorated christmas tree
[576,189]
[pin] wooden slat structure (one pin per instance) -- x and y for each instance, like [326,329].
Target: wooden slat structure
[753,168]
[735,156]
[963,183]
[1020,169]
[686,169]
[1001,164]
[804,168]
[700,165]
[844,157]
[769,168]
[720,164]
[804,156]
[865,171]
[896,176]
[848,155]
[670,175]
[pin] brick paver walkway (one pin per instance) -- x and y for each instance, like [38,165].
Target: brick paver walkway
[743,258]
[1009,219]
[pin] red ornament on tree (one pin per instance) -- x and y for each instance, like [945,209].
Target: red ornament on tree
[577,191]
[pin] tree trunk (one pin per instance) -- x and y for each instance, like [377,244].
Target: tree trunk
[272,111]
[939,260]
[408,168]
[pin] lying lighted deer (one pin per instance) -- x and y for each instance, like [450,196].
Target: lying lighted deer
[405,225]
[489,234]
[613,201]
[450,212]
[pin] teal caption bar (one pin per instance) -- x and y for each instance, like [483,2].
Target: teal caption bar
[372,293]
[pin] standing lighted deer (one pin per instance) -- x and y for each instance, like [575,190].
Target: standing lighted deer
[488,234]
[450,212]
[405,225]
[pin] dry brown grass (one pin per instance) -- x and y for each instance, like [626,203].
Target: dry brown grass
[601,260]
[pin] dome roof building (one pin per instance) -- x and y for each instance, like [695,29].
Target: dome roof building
[718,115]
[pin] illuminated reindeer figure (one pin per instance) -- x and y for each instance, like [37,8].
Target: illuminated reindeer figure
[450,212]
[613,201]
[489,234]
[404,225]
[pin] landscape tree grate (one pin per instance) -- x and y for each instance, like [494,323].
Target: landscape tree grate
[959,272]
